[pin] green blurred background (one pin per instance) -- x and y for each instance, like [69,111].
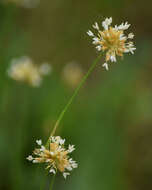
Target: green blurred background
[110,121]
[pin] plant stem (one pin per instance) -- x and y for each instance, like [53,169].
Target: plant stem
[52,182]
[74,95]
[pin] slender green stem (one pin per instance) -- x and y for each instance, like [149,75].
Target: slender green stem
[69,103]
[74,95]
[52,182]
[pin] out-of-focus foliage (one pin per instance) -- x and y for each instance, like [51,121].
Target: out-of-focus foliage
[110,121]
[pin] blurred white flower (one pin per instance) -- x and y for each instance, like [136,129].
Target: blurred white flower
[72,74]
[23,69]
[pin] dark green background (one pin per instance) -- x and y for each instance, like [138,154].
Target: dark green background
[110,121]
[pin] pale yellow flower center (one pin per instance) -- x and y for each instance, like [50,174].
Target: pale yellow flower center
[112,42]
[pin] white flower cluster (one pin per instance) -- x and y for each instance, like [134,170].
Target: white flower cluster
[56,158]
[23,69]
[112,40]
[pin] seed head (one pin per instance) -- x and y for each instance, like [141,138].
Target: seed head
[56,157]
[112,40]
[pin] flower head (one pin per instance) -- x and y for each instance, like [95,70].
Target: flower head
[56,157]
[23,69]
[72,74]
[112,40]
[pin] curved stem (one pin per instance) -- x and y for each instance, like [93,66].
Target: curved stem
[74,94]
